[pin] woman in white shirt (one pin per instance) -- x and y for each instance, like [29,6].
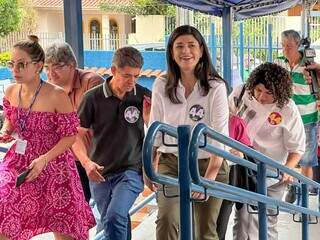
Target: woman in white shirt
[275,129]
[191,92]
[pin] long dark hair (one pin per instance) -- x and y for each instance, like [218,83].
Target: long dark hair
[204,70]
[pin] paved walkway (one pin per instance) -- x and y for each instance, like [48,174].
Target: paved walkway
[288,230]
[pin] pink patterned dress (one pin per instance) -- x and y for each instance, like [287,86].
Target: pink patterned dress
[54,202]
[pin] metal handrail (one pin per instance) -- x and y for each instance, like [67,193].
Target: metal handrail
[201,130]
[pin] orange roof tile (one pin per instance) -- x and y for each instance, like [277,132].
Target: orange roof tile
[144,73]
[85,3]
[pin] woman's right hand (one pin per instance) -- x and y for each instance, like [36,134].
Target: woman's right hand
[6,138]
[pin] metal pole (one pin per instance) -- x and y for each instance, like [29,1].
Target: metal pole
[241,51]
[262,212]
[270,42]
[73,28]
[227,44]
[184,183]
[305,203]
[304,20]
[213,44]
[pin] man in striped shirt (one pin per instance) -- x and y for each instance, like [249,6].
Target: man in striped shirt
[293,61]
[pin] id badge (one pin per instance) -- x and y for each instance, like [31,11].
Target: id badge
[21,146]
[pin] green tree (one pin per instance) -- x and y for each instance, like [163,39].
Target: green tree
[10,16]
[28,16]
[140,7]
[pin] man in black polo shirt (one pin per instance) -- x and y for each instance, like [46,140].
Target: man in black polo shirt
[113,112]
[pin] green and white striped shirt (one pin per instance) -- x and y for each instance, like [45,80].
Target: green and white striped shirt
[305,101]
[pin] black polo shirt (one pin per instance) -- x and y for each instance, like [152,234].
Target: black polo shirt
[118,127]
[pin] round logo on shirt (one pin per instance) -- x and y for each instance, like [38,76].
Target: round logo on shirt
[275,118]
[131,114]
[196,112]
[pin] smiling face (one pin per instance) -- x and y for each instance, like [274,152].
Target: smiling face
[186,52]
[23,68]
[263,95]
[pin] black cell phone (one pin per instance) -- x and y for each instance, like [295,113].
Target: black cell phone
[22,177]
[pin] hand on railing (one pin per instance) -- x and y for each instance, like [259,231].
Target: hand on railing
[151,185]
[236,152]
[286,178]
[199,196]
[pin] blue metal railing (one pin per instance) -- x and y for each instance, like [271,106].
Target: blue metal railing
[201,130]
[188,169]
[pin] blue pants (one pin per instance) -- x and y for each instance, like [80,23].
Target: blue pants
[114,198]
[310,156]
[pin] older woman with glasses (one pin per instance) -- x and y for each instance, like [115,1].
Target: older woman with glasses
[40,190]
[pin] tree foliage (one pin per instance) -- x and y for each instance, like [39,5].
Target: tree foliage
[10,16]
[28,16]
[140,7]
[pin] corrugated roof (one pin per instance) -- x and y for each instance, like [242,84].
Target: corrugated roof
[85,3]
[144,73]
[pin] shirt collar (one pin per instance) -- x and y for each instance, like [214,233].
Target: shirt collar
[301,61]
[76,79]
[106,88]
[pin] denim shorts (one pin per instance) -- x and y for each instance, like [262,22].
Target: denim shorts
[310,156]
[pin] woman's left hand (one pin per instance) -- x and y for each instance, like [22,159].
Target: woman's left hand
[36,166]
[199,196]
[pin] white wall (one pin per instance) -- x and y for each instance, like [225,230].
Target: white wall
[149,29]
[50,21]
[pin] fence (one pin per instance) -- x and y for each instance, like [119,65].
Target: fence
[255,40]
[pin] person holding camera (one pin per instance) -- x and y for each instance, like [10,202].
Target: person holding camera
[316,68]
[293,61]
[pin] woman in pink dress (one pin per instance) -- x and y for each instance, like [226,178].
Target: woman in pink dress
[41,116]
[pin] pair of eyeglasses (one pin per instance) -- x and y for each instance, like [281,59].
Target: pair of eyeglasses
[20,65]
[54,67]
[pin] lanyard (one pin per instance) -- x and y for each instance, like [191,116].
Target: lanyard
[22,120]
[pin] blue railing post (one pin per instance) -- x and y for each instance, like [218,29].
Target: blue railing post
[262,189]
[166,40]
[269,42]
[241,51]
[213,45]
[305,203]
[227,44]
[184,183]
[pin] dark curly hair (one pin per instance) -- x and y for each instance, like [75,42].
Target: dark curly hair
[274,78]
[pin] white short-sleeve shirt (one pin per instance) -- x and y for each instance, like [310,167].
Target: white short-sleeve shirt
[211,109]
[273,131]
